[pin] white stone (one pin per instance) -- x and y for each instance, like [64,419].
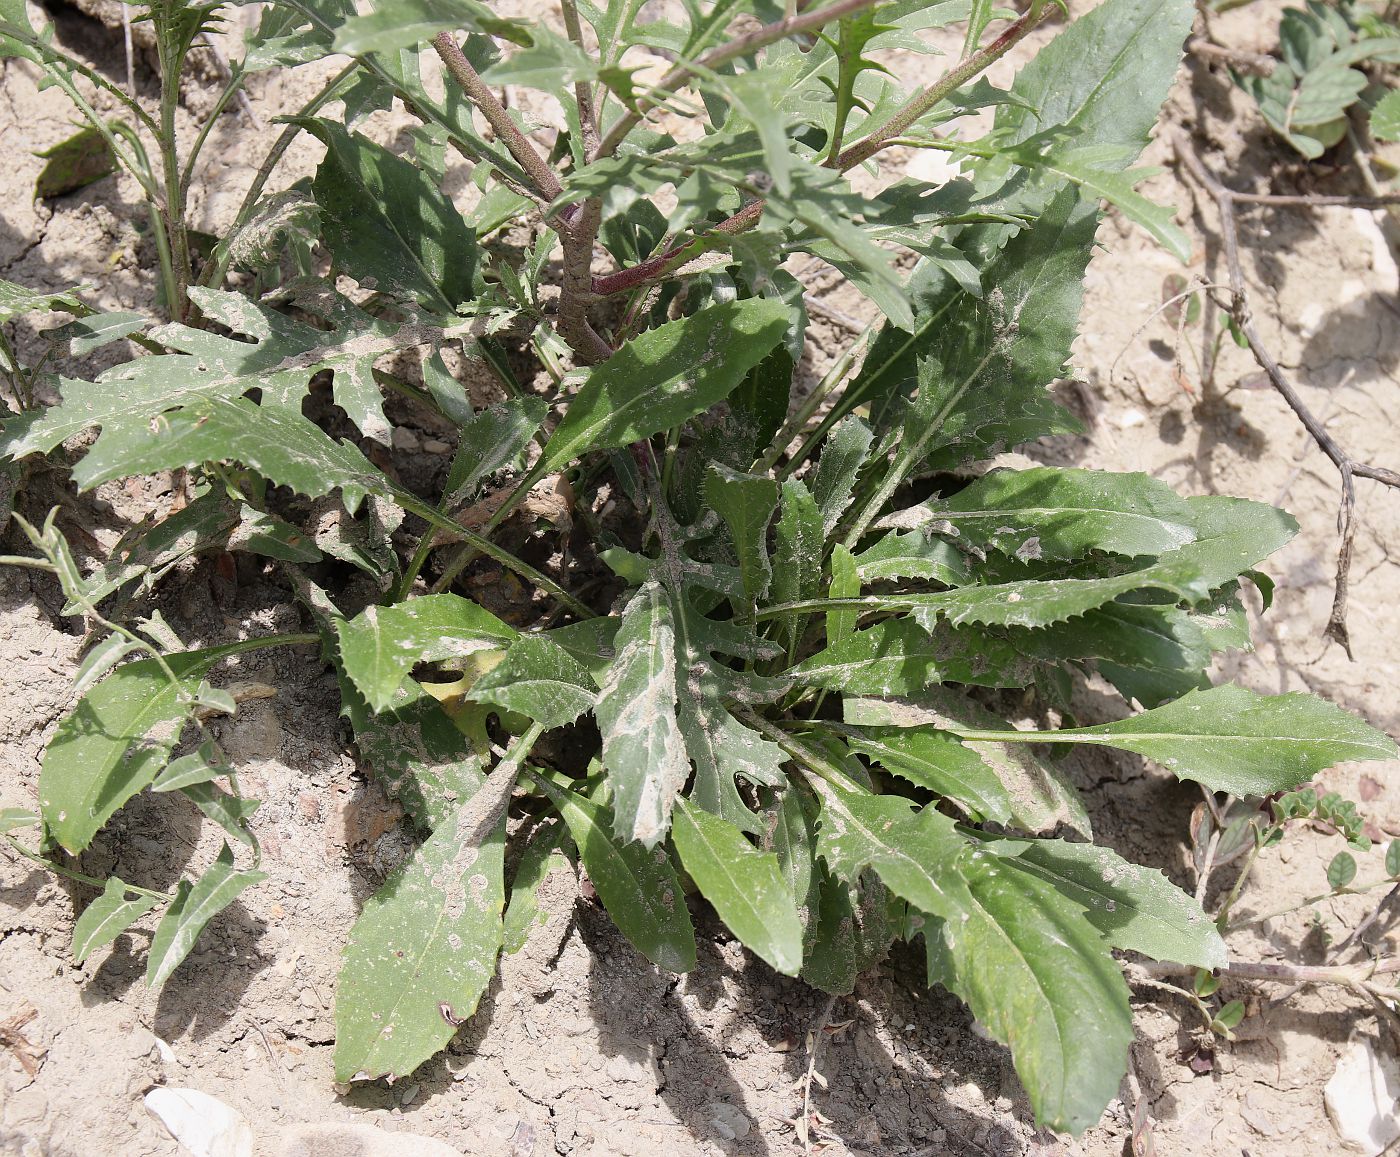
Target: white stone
[203,1125]
[1361,1099]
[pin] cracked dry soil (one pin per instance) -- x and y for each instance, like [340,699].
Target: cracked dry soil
[582,1047]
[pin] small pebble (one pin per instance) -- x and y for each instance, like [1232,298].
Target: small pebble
[433,446]
[405,439]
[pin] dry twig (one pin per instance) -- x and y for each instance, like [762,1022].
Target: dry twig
[1238,307]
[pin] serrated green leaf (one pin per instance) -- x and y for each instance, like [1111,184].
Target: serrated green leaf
[188,407]
[747,503]
[386,222]
[913,555]
[107,917]
[540,680]
[99,757]
[190,912]
[637,884]
[744,884]
[381,645]
[395,24]
[643,747]
[1039,978]
[898,657]
[1134,908]
[912,851]
[666,375]
[844,453]
[798,546]
[937,762]
[422,951]
[1235,740]
[1045,512]
[493,439]
[1081,88]
[1385,118]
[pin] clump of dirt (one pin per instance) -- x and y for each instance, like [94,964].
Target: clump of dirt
[581,1046]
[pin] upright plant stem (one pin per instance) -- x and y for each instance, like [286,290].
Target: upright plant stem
[174,199]
[952,80]
[545,180]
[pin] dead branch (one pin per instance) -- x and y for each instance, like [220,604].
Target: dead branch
[1348,467]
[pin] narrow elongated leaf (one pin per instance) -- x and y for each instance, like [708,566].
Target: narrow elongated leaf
[797,557]
[637,884]
[843,454]
[1041,797]
[198,767]
[12,819]
[539,679]
[643,748]
[746,502]
[99,758]
[494,438]
[107,917]
[101,659]
[387,224]
[381,645]
[745,886]
[190,912]
[230,812]
[898,657]
[666,375]
[1136,909]
[938,762]
[1235,740]
[1039,978]
[423,950]
[1052,513]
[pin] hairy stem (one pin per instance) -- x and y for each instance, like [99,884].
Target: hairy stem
[544,179]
